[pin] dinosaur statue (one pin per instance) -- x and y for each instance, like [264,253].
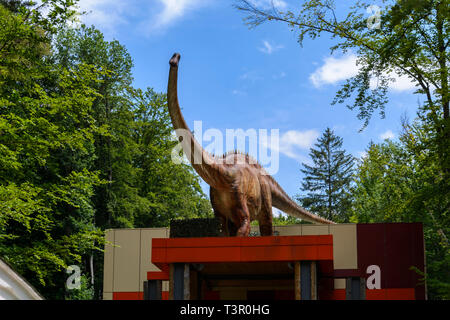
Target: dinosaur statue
[240,190]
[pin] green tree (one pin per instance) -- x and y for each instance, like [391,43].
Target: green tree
[144,187]
[401,182]
[133,154]
[116,202]
[285,220]
[384,185]
[81,150]
[114,148]
[170,190]
[46,141]
[328,180]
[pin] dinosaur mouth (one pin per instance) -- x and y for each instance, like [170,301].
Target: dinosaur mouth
[175,59]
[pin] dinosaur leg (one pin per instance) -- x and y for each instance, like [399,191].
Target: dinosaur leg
[223,222]
[242,218]
[265,214]
[221,217]
[265,223]
[229,227]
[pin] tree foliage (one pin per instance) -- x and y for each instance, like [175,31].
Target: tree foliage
[81,150]
[401,182]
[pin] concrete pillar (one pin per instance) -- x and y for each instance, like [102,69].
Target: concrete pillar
[179,282]
[355,288]
[305,280]
[152,290]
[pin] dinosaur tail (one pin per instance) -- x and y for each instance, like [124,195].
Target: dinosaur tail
[203,163]
[282,201]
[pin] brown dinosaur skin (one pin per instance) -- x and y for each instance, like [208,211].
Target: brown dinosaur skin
[240,190]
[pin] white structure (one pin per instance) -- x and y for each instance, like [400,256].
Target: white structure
[14,287]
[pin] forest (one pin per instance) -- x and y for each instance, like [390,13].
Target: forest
[82,150]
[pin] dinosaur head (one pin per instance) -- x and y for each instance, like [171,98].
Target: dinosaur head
[175,59]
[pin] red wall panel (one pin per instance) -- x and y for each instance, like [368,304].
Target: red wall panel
[395,248]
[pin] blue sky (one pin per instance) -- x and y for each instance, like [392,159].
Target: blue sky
[233,77]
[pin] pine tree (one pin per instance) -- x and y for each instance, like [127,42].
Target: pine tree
[328,180]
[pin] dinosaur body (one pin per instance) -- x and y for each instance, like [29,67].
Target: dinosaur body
[240,189]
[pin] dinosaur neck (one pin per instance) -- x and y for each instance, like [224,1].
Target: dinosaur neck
[178,121]
[203,163]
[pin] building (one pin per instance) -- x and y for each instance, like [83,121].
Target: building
[325,262]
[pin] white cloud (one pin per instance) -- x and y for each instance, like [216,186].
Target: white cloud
[110,15]
[174,9]
[269,48]
[387,135]
[335,70]
[267,4]
[300,139]
[401,83]
[106,15]
[293,141]
[279,4]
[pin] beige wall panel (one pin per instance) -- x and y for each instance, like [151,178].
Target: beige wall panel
[108,265]
[344,246]
[339,283]
[107,296]
[295,230]
[126,260]
[146,252]
[314,230]
[165,286]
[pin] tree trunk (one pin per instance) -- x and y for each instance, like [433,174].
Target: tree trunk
[91,265]
[443,73]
